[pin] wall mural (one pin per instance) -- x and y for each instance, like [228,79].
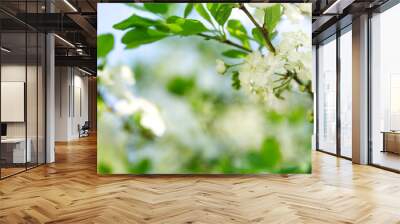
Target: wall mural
[204,88]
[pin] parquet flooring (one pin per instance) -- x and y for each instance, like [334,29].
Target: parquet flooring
[70,191]
[10,171]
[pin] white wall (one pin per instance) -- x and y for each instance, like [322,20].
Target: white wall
[16,73]
[33,127]
[71,102]
[62,81]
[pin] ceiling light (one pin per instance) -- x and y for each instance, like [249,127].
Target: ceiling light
[5,50]
[64,40]
[329,9]
[84,71]
[70,5]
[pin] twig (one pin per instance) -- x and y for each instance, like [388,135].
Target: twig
[299,82]
[225,42]
[283,84]
[264,31]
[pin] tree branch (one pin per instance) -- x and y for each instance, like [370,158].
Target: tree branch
[225,42]
[264,31]
[300,83]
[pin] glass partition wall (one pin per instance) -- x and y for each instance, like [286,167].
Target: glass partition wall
[385,90]
[346,93]
[334,84]
[22,100]
[327,95]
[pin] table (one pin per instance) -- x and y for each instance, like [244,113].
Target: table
[18,149]
[391,141]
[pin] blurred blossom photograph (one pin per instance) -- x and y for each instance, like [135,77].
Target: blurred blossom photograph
[204,88]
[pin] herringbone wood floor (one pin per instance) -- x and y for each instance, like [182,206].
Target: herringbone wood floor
[70,191]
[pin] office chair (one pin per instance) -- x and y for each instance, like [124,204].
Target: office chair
[84,130]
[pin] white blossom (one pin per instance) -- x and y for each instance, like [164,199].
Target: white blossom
[275,65]
[305,8]
[252,73]
[292,12]
[261,5]
[259,73]
[118,85]
[119,81]
[220,67]
[294,41]
[150,116]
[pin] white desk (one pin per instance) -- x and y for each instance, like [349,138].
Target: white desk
[19,155]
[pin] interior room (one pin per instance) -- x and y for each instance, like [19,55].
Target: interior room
[385,87]
[22,98]
[48,120]
[72,86]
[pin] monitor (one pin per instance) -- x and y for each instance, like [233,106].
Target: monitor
[3,129]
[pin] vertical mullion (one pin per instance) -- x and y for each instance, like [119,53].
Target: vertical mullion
[338,73]
[369,89]
[0,92]
[37,89]
[60,88]
[26,86]
[73,92]
[45,87]
[69,92]
[317,97]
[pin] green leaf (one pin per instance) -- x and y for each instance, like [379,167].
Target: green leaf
[105,43]
[234,54]
[220,11]
[188,9]
[270,152]
[255,160]
[104,168]
[160,8]
[134,21]
[272,17]
[235,80]
[226,165]
[258,36]
[185,27]
[142,167]
[202,12]
[181,85]
[136,6]
[139,36]
[237,30]
[273,35]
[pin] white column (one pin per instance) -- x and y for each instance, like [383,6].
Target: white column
[360,90]
[314,90]
[50,98]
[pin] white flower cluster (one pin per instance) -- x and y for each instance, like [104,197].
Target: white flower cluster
[267,75]
[118,87]
[259,73]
